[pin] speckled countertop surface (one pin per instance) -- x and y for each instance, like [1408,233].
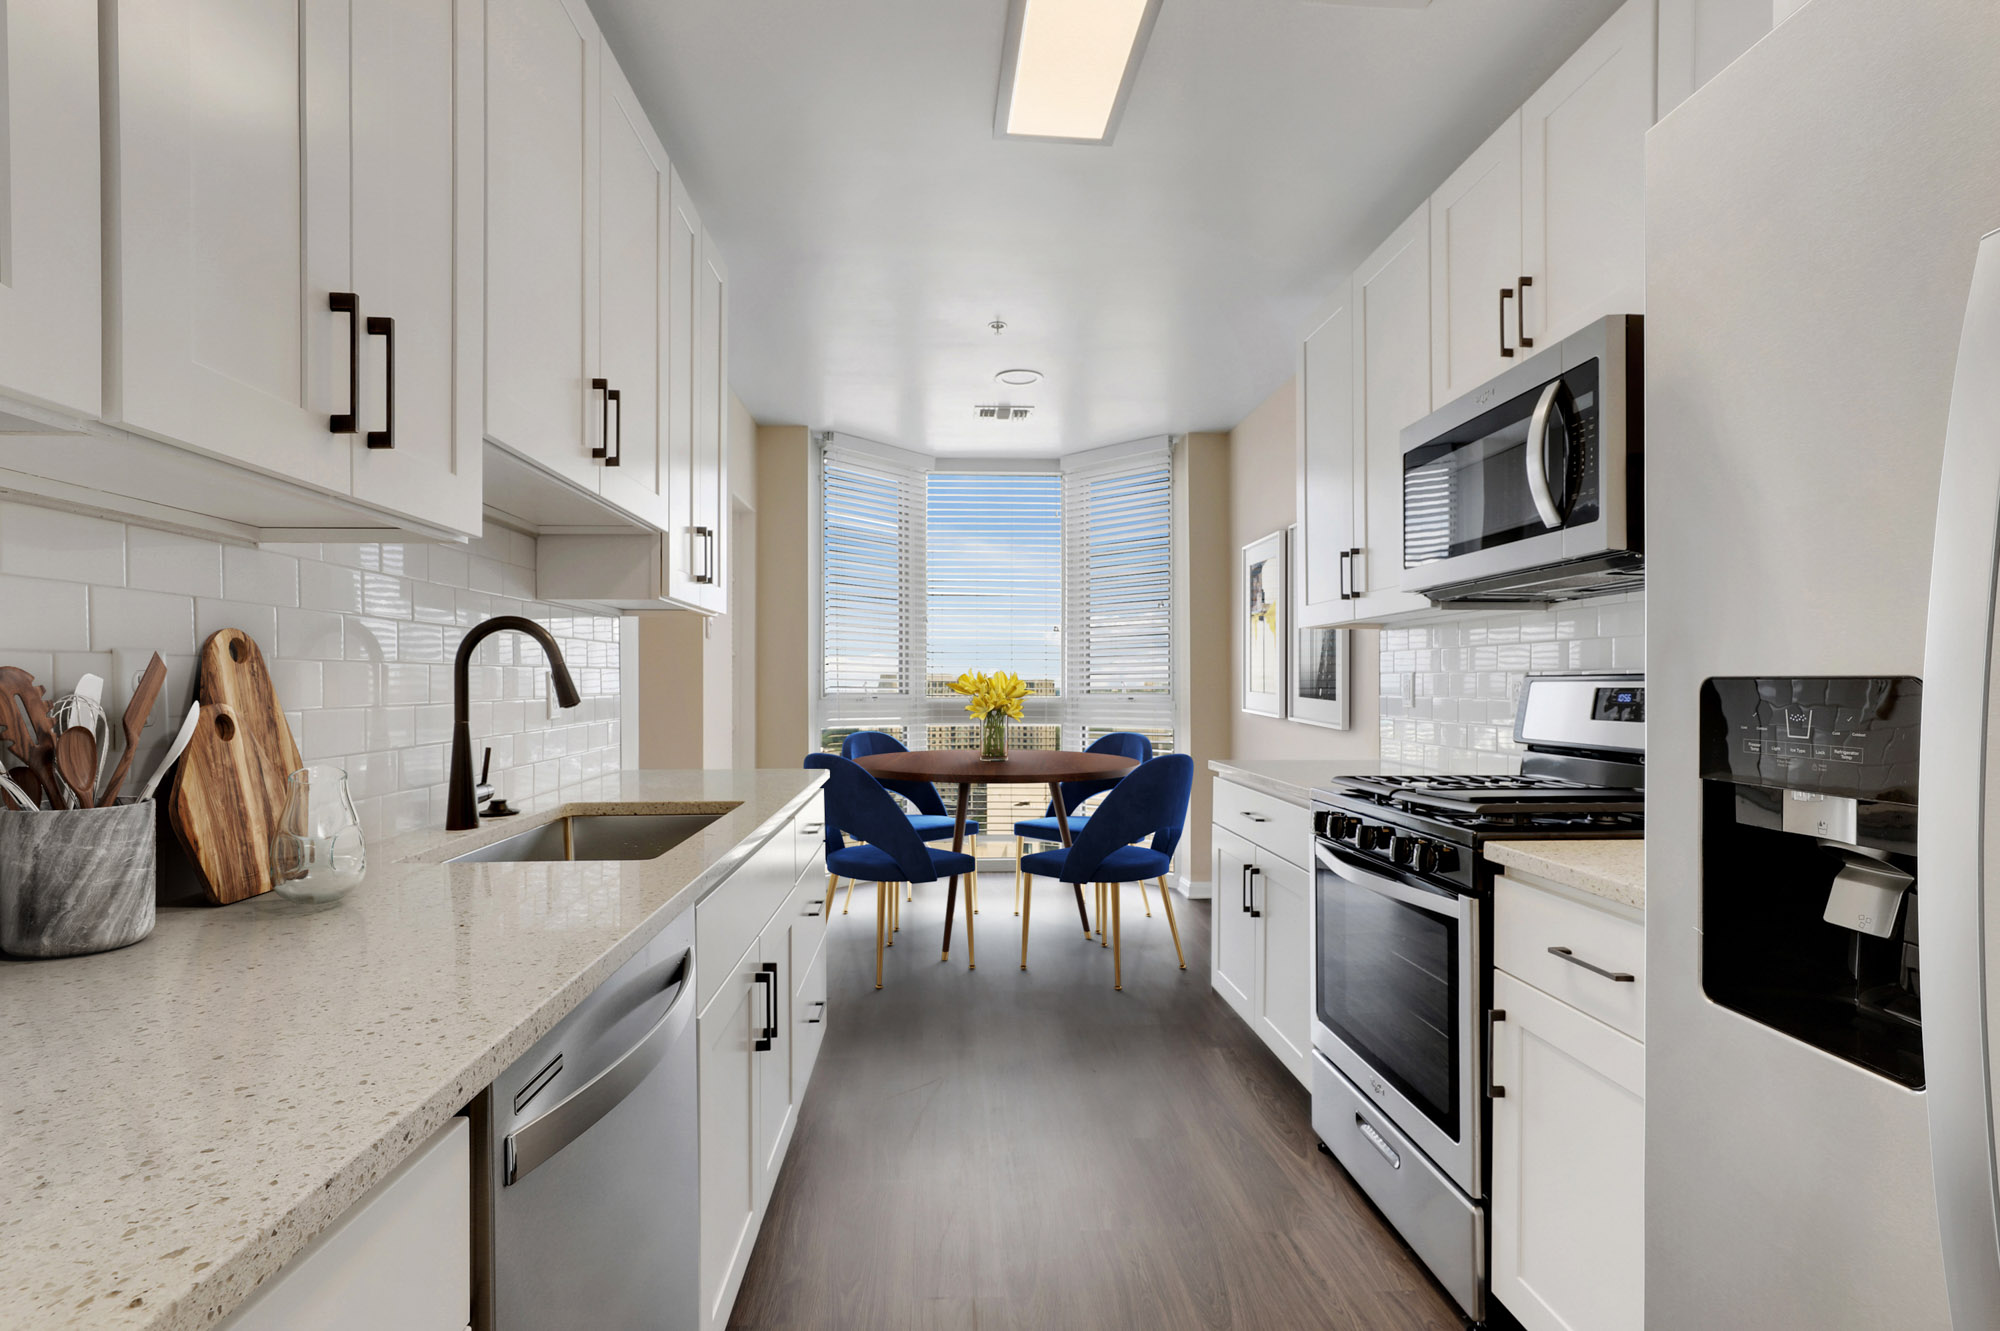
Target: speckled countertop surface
[180,1117]
[1614,870]
[1290,779]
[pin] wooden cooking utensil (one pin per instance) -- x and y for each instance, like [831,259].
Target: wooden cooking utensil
[218,810]
[30,784]
[145,694]
[76,763]
[34,742]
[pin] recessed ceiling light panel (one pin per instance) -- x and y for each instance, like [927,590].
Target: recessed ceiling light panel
[1068,67]
[1019,378]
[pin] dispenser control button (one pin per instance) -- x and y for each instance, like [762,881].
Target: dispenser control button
[1798,722]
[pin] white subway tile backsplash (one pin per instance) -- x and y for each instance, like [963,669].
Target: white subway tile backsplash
[1449,690]
[49,543]
[358,637]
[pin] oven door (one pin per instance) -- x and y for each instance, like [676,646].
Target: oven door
[1397,1001]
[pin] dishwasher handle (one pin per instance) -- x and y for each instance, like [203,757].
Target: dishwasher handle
[556,1127]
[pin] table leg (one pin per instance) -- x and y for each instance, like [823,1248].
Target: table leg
[1027,911]
[882,891]
[950,902]
[1062,824]
[958,847]
[1115,890]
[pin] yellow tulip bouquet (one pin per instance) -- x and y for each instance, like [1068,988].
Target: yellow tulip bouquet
[995,699]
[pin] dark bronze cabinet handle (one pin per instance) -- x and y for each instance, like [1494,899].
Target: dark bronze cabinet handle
[384,327]
[1346,575]
[707,539]
[1521,337]
[612,398]
[1506,294]
[1354,574]
[767,975]
[1617,977]
[1245,898]
[604,420]
[1493,1092]
[349,304]
[1255,914]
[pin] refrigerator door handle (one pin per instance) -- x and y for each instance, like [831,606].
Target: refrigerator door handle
[1956,763]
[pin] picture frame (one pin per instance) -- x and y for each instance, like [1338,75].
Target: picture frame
[1265,627]
[1318,665]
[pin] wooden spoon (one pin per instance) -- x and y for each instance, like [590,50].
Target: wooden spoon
[35,741]
[144,694]
[76,763]
[30,784]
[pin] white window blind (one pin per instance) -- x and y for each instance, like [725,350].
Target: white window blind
[871,561]
[994,568]
[1118,577]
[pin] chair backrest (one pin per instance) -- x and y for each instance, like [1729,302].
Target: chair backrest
[867,743]
[858,806]
[1126,744]
[1152,801]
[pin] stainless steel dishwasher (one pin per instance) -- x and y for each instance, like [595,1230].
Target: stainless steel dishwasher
[588,1178]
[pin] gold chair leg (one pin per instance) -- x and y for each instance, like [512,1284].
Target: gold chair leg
[972,884]
[850,896]
[1143,901]
[1106,903]
[1018,849]
[895,891]
[1027,890]
[881,924]
[971,954]
[1167,900]
[911,886]
[1114,891]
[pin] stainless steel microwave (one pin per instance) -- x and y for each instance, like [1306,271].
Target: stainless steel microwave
[1530,487]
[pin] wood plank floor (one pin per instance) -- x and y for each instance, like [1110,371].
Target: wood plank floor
[1004,1150]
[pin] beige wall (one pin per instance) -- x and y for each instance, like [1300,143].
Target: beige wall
[1202,487]
[784,584]
[1263,461]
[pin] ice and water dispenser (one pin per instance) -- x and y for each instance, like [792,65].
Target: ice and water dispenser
[1809,862]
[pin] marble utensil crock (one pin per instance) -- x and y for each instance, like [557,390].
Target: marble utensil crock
[75,881]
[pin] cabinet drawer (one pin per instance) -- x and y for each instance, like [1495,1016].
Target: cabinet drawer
[727,923]
[809,904]
[1270,823]
[809,836]
[1528,921]
[808,1021]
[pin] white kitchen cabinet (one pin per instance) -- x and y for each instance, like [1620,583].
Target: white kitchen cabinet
[698,433]
[761,962]
[1475,265]
[401,1257]
[1327,458]
[1583,181]
[266,156]
[1260,955]
[51,260]
[684,317]
[1568,1189]
[1699,38]
[1392,389]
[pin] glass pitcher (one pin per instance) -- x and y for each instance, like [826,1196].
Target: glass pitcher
[317,853]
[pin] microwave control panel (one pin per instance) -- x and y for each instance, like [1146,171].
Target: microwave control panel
[1854,736]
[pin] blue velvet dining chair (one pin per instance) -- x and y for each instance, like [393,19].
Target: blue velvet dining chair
[1150,802]
[1046,830]
[889,850]
[932,820]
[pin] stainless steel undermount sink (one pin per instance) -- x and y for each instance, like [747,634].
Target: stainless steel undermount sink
[595,836]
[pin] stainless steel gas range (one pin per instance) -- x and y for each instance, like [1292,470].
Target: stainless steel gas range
[1402,947]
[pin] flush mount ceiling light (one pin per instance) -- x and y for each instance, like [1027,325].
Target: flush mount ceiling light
[1068,67]
[1019,378]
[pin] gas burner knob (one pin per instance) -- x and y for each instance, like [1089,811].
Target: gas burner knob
[1324,825]
[1345,827]
[1404,849]
[1371,837]
[1435,858]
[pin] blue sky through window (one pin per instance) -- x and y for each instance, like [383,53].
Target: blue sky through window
[994,576]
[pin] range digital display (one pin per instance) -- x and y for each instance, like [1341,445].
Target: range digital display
[1627,702]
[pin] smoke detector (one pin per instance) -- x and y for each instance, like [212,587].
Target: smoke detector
[1002,412]
[1019,378]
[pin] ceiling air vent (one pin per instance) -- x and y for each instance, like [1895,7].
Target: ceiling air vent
[1003,412]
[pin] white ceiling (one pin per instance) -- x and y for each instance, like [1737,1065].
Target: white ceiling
[842,152]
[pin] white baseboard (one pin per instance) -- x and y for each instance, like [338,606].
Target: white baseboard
[1192,889]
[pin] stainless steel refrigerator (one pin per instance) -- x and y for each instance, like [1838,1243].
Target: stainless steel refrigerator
[1813,218]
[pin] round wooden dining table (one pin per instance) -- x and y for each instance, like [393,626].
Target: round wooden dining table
[964,768]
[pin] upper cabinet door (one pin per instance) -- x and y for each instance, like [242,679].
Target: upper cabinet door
[684,286]
[223,257]
[711,426]
[632,308]
[1392,389]
[1475,266]
[416,124]
[51,262]
[542,234]
[1326,465]
[1583,180]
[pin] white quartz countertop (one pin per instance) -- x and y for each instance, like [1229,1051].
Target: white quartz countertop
[1614,870]
[1291,779]
[180,1117]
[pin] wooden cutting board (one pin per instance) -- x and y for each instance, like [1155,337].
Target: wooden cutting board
[230,789]
[219,809]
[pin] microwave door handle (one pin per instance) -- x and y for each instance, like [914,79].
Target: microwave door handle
[1436,903]
[1538,467]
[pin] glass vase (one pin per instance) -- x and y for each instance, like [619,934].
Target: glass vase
[993,737]
[317,852]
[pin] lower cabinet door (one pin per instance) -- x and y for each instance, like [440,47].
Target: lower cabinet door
[1233,968]
[808,1021]
[774,1050]
[1281,894]
[1568,1193]
[728,1029]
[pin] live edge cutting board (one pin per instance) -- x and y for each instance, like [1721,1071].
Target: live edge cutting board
[230,789]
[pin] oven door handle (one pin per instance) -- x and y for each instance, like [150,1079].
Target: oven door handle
[1537,458]
[1436,901]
